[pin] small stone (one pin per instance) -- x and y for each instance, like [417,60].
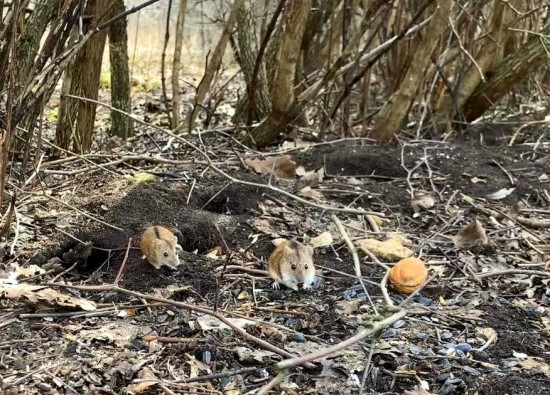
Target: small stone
[44,387]
[480,355]
[423,300]
[480,341]
[446,335]
[206,357]
[293,323]
[422,335]
[298,337]
[443,377]
[414,350]
[443,361]
[441,351]
[349,294]
[464,347]
[398,324]
[389,333]
[321,307]
[471,370]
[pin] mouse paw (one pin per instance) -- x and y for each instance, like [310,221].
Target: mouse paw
[275,285]
[307,286]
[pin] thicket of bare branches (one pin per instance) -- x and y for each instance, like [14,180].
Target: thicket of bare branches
[357,68]
[368,67]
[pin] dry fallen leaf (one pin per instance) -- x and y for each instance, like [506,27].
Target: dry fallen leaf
[311,193]
[205,323]
[120,333]
[470,236]
[311,176]
[40,295]
[422,202]
[500,194]
[281,167]
[322,240]
[29,271]
[390,249]
[296,143]
[246,354]
[476,180]
[147,379]
[485,333]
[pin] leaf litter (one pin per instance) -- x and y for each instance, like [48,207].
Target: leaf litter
[484,314]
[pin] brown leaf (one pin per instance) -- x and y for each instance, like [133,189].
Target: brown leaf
[149,379]
[470,236]
[423,202]
[390,249]
[281,167]
[39,295]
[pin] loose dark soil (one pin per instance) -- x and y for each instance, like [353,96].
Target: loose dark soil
[207,212]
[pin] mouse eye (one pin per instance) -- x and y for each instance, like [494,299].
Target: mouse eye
[306,266]
[165,254]
[293,267]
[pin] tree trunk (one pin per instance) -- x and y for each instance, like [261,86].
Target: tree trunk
[293,26]
[68,108]
[489,54]
[390,118]
[248,49]
[176,65]
[512,70]
[212,66]
[82,79]
[121,125]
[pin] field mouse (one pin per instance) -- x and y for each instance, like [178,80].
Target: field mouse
[160,247]
[292,263]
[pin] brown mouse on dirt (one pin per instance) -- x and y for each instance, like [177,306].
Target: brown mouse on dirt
[160,247]
[292,263]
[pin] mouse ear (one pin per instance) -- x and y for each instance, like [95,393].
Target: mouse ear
[309,250]
[287,251]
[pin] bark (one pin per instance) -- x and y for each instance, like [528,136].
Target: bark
[121,125]
[176,65]
[489,54]
[248,48]
[293,26]
[76,117]
[212,66]
[512,70]
[392,115]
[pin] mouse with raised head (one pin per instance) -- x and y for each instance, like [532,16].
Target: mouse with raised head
[291,263]
[160,246]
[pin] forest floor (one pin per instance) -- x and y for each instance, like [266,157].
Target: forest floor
[480,326]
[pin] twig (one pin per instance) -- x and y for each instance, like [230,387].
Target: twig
[376,327]
[244,334]
[384,289]
[16,236]
[355,257]
[269,386]
[223,173]
[119,274]
[214,376]
[513,271]
[367,366]
[416,291]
